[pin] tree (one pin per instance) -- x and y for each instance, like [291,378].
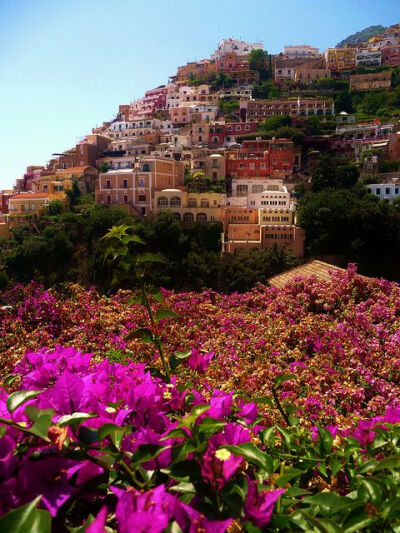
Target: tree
[323,174]
[104,167]
[73,195]
[275,122]
[258,61]
[54,208]
[347,176]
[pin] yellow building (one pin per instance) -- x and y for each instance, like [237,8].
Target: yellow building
[270,216]
[25,206]
[55,186]
[188,206]
[340,58]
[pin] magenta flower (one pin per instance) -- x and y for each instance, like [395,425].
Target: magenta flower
[98,524]
[259,506]
[249,412]
[144,512]
[8,461]
[192,521]
[198,361]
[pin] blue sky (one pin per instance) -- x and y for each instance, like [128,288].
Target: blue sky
[65,65]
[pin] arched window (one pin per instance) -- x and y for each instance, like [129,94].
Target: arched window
[204,203]
[175,201]
[192,202]
[177,216]
[201,217]
[162,201]
[188,217]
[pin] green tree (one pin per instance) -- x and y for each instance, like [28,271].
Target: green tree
[54,208]
[323,174]
[258,61]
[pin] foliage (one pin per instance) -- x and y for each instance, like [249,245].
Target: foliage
[54,208]
[362,36]
[305,439]
[327,174]
[259,61]
[228,105]
[266,89]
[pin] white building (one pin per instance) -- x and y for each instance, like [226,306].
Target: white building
[384,191]
[369,58]
[300,51]
[241,48]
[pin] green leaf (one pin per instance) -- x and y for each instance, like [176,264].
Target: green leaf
[18,398]
[132,238]
[116,433]
[9,380]
[26,519]
[326,440]
[74,419]
[322,525]
[330,501]
[144,334]
[287,474]
[184,488]
[190,420]
[266,400]
[41,426]
[370,491]
[252,454]
[34,413]
[178,357]
[389,463]
[208,427]
[149,258]
[165,313]
[335,465]
[147,452]
[282,378]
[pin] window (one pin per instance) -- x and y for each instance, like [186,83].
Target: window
[125,199]
[125,184]
[142,197]
[46,188]
[177,216]
[192,202]
[175,201]
[109,199]
[146,167]
[201,217]
[378,191]
[141,182]
[387,190]
[162,201]
[188,217]
[108,184]
[204,203]
[247,127]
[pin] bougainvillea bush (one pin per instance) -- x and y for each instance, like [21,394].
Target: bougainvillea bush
[283,413]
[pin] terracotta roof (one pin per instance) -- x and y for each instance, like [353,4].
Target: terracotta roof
[72,169]
[316,268]
[27,195]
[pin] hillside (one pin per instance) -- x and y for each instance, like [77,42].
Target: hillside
[362,36]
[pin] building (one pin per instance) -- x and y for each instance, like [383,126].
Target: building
[285,68]
[338,59]
[240,48]
[369,58]
[300,51]
[84,154]
[189,206]
[391,55]
[375,80]
[135,188]
[311,71]
[249,236]
[259,110]
[4,199]
[23,207]
[385,191]
[261,159]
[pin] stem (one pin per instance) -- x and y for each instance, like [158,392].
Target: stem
[157,341]
[280,408]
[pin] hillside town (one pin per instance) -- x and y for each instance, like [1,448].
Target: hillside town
[233,139]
